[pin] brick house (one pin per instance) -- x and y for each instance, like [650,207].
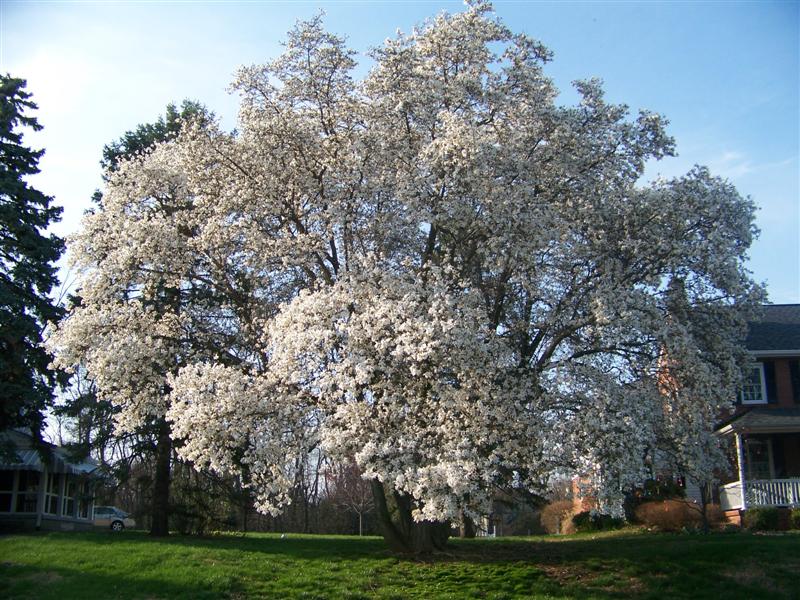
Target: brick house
[764,430]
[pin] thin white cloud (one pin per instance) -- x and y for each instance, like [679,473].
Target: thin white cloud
[731,165]
[735,165]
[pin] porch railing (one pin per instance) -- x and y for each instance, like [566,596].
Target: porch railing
[761,492]
[773,492]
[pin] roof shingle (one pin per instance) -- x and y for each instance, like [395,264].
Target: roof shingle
[778,330]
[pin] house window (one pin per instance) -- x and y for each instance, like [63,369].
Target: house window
[51,493]
[68,505]
[759,458]
[754,390]
[28,493]
[6,490]
[85,500]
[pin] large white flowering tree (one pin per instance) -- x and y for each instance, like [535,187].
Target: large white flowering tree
[436,270]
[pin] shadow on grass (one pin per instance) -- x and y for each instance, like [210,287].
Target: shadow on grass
[547,550]
[626,564]
[306,547]
[59,583]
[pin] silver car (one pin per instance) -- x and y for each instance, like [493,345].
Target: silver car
[113,518]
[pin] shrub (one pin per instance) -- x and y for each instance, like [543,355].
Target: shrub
[794,518]
[594,521]
[556,515]
[765,518]
[715,514]
[652,490]
[668,515]
[527,522]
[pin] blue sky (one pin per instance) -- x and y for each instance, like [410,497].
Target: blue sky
[725,74]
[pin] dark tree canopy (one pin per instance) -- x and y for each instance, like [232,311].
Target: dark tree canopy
[27,267]
[158,445]
[147,135]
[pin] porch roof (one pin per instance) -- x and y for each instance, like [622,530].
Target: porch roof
[28,458]
[32,461]
[762,419]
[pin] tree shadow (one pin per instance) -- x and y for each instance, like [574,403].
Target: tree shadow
[619,566]
[24,581]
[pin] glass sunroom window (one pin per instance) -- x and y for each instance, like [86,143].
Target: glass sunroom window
[6,490]
[754,390]
[28,493]
[85,500]
[51,493]
[68,504]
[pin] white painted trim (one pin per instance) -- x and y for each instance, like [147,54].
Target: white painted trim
[759,429]
[60,507]
[740,460]
[763,381]
[47,494]
[729,428]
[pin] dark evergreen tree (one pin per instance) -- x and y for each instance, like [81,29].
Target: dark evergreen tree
[147,135]
[152,445]
[27,268]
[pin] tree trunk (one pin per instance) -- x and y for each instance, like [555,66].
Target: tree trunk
[467,529]
[705,497]
[159,526]
[400,531]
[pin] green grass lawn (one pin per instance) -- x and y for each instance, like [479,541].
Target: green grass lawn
[626,564]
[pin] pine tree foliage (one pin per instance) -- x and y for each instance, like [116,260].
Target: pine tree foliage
[150,438]
[27,267]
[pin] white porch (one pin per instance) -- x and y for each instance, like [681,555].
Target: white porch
[766,459]
[760,492]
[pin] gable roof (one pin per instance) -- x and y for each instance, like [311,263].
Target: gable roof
[777,331]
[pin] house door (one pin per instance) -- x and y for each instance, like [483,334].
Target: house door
[759,458]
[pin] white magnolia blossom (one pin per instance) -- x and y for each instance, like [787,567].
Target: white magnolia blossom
[436,270]
[249,424]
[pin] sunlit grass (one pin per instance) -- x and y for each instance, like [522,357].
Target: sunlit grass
[626,564]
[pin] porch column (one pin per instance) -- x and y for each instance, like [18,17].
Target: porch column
[740,461]
[40,496]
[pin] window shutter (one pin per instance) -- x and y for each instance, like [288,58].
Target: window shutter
[769,376]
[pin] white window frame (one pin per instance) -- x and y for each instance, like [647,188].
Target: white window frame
[763,378]
[28,492]
[66,498]
[51,493]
